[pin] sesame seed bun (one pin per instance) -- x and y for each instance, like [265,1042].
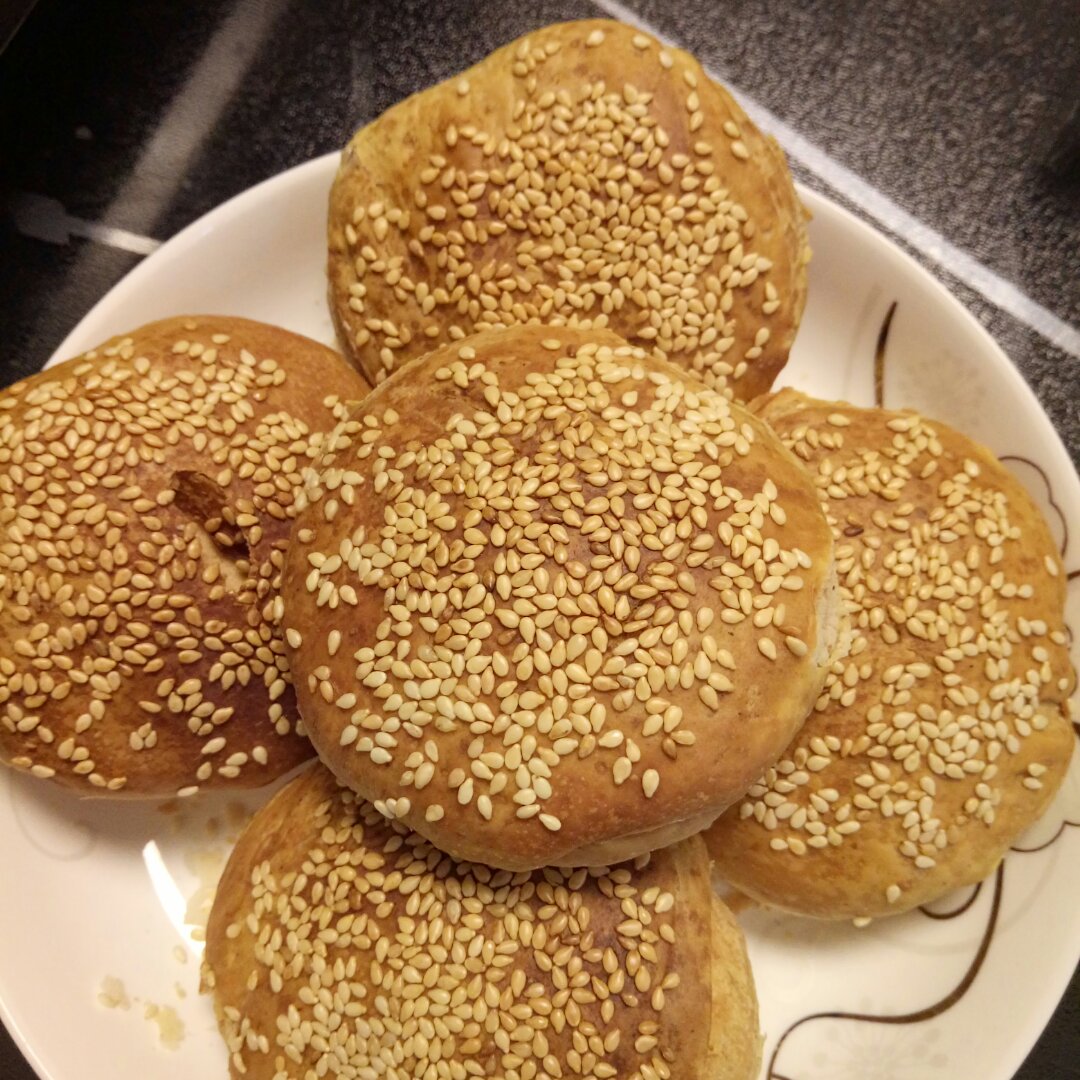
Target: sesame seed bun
[945,731]
[553,601]
[146,494]
[585,174]
[342,944]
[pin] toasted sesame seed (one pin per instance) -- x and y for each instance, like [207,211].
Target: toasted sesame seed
[796,645]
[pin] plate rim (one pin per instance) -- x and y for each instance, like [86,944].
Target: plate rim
[886,249]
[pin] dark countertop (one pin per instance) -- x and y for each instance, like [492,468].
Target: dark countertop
[125,121]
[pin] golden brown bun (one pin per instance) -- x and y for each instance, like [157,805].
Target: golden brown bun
[146,494]
[735,1040]
[584,174]
[945,731]
[338,937]
[519,596]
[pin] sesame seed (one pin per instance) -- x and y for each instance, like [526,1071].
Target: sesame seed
[796,645]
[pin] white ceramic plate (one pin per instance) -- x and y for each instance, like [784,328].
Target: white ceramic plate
[93,891]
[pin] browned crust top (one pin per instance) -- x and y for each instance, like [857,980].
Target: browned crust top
[583,174]
[146,494]
[549,591]
[338,935]
[945,732]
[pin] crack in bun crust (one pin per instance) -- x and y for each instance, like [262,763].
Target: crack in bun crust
[146,493]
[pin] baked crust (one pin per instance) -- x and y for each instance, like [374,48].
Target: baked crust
[146,493]
[336,935]
[554,602]
[735,1039]
[946,731]
[583,174]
